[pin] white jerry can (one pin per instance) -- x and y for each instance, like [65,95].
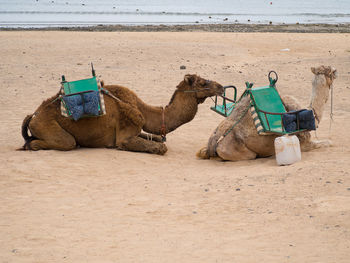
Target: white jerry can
[287,150]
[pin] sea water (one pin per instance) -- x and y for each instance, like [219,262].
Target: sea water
[48,13]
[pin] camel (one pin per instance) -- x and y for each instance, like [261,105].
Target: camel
[244,143]
[127,115]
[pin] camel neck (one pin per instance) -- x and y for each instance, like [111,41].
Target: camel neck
[319,96]
[181,109]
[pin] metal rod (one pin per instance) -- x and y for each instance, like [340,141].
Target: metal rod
[92,70]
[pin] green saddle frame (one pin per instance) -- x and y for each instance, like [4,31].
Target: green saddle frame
[78,87]
[227,105]
[266,107]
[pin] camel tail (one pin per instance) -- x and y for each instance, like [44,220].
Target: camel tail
[210,151]
[25,134]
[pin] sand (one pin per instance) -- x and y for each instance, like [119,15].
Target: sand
[105,205]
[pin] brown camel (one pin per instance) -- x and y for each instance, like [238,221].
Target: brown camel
[121,126]
[244,143]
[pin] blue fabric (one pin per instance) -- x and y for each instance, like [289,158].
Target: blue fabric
[74,104]
[306,120]
[91,102]
[289,122]
[81,104]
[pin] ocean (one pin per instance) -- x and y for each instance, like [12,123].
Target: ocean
[55,13]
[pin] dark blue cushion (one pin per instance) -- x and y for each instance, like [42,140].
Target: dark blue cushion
[84,103]
[306,115]
[289,122]
[91,102]
[307,120]
[74,104]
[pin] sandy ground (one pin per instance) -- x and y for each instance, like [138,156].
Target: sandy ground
[104,205]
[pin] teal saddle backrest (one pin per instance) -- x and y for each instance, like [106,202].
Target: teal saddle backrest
[77,92]
[267,99]
[79,86]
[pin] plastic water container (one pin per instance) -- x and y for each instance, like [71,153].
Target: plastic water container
[287,150]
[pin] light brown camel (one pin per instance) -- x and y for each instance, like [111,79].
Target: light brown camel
[121,126]
[244,143]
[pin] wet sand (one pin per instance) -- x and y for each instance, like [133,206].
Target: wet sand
[285,28]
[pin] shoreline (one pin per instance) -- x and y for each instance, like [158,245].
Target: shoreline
[278,28]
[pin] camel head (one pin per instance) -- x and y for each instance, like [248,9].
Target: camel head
[321,85]
[328,73]
[201,88]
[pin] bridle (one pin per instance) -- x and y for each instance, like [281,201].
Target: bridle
[207,82]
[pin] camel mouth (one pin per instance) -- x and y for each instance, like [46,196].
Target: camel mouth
[220,90]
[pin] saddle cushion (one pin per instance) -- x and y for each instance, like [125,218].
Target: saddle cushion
[306,120]
[83,104]
[289,122]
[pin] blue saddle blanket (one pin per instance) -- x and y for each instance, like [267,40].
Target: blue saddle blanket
[306,121]
[83,104]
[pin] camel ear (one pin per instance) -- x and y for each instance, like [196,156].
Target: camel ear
[327,71]
[320,70]
[334,73]
[189,79]
[313,70]
[331,72]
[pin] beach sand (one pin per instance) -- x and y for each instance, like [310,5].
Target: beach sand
[105,205]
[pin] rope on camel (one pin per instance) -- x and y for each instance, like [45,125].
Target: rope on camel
[234,125]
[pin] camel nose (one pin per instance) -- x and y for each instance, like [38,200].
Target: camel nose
[220,88]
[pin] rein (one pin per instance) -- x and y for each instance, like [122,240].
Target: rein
[194,90]
[227,132]
[37,112]
[109,94]
[163,127]
[331,114]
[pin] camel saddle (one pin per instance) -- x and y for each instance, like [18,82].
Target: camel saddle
[82,98]
[268,111]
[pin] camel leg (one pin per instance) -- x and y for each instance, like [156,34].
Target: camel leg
[316,144]
[235,153]
[233,149]
[151,137]
[138,144]
[203,153]
[50,136]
